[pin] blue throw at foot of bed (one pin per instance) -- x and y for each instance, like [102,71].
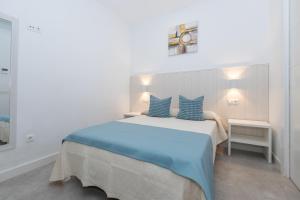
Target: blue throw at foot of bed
[4,118]
[185,153]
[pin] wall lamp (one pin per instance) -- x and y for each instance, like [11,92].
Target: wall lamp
[233,76]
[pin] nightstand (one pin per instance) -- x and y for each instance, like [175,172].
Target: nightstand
[131,114]
[264,141]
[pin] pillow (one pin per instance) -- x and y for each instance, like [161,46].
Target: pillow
[173,112]
[191,109]
[159,107]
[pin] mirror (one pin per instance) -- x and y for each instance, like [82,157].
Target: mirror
[5,49]
[7,63]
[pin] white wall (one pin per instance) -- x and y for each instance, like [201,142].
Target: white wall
[294,89]
[277,75]
[73,74]
[231,32]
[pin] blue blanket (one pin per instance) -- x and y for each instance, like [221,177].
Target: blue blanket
[4,118]
[185,153]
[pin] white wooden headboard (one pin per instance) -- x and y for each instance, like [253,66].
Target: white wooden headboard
[251,85]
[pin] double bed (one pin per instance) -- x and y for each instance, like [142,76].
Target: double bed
[129,178]
[4,128]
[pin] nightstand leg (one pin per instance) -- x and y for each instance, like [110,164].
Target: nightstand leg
[270,146]
[269,155]
[229,148]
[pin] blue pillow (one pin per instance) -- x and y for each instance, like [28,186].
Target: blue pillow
[191,109]
[159,107]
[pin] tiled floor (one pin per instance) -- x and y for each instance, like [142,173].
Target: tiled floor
[248,176]
[244,176]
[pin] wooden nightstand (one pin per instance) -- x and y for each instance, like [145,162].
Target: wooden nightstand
[131,114]
[265,141]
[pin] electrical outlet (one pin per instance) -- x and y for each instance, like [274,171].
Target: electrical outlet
[29,138]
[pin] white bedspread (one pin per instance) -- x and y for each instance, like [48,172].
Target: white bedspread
[4,131]
[129,179]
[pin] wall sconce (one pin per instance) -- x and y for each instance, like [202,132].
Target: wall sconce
[146,94]
[146,97]
[233,83]
[145,88]
[146,81]
[234,75]
[233,94]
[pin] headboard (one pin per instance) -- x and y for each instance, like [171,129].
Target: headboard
[249,85]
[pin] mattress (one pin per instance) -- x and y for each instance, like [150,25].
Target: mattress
[129,179]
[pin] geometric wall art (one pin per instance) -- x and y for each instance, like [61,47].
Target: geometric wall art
[183,39]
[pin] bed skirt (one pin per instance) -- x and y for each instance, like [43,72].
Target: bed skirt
[122,177]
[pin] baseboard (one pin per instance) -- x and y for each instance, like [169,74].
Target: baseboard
[276,159]
[26,167]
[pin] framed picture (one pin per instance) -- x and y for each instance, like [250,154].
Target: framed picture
[183,39]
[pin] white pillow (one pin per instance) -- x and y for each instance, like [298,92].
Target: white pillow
[173,112]
[207,115]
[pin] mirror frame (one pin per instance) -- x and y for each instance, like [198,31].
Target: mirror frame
[12,83]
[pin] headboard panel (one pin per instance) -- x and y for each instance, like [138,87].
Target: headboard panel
[248,84]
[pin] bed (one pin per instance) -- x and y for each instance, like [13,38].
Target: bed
[126,178]
[4,128]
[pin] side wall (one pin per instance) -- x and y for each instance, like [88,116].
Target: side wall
[72,74]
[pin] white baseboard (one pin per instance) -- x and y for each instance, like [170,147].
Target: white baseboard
[26,167]
[276,159]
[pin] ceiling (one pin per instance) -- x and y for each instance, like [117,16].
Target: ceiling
[134,11]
